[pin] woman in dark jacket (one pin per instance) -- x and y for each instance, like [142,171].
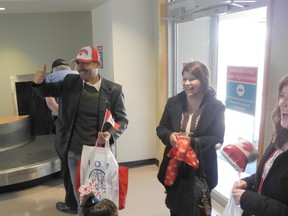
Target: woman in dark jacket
[266,192]
[196,112]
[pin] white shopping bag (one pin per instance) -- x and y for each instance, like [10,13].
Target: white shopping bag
[232,209]
[99,165]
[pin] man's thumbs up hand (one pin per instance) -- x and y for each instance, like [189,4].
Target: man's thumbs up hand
[40,76]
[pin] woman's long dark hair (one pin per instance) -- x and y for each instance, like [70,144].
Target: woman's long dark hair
[280,135]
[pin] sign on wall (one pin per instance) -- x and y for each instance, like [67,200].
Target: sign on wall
[100,50]
[241,89]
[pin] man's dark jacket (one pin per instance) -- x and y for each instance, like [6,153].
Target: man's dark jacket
[69,92]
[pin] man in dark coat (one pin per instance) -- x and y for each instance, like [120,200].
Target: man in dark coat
[84,100]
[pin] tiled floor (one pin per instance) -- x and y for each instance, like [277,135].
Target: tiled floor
[145,197]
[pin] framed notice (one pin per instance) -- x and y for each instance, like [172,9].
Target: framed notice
[100,50]
[241,89]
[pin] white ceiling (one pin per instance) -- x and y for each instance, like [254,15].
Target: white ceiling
[39,6]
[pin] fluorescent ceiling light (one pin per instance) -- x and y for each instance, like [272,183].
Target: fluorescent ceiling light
[244,1]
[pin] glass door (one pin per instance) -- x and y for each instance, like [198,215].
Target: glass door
[241,46]
[192,44]
[235,40]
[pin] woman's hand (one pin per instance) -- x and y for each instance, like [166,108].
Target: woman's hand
[176,135]
[238,189]
[240,184]
[236,194]
[173,138]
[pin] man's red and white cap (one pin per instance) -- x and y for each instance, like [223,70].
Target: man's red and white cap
[88,54]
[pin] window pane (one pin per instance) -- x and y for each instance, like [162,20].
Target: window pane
[241,43]
[192,44]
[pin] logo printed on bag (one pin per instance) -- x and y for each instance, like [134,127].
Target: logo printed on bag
[98,175]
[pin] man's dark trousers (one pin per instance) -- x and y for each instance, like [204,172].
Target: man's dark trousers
[70,200]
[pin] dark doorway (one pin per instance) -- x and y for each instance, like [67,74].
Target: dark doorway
[29,103]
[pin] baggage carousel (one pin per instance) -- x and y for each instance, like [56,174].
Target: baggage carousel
[24,157]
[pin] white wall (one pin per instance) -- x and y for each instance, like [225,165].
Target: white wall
[27,41]
[278,63]
[132,63]
[103,35]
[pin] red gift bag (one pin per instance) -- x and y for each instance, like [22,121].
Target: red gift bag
[78,174]
[123,185]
